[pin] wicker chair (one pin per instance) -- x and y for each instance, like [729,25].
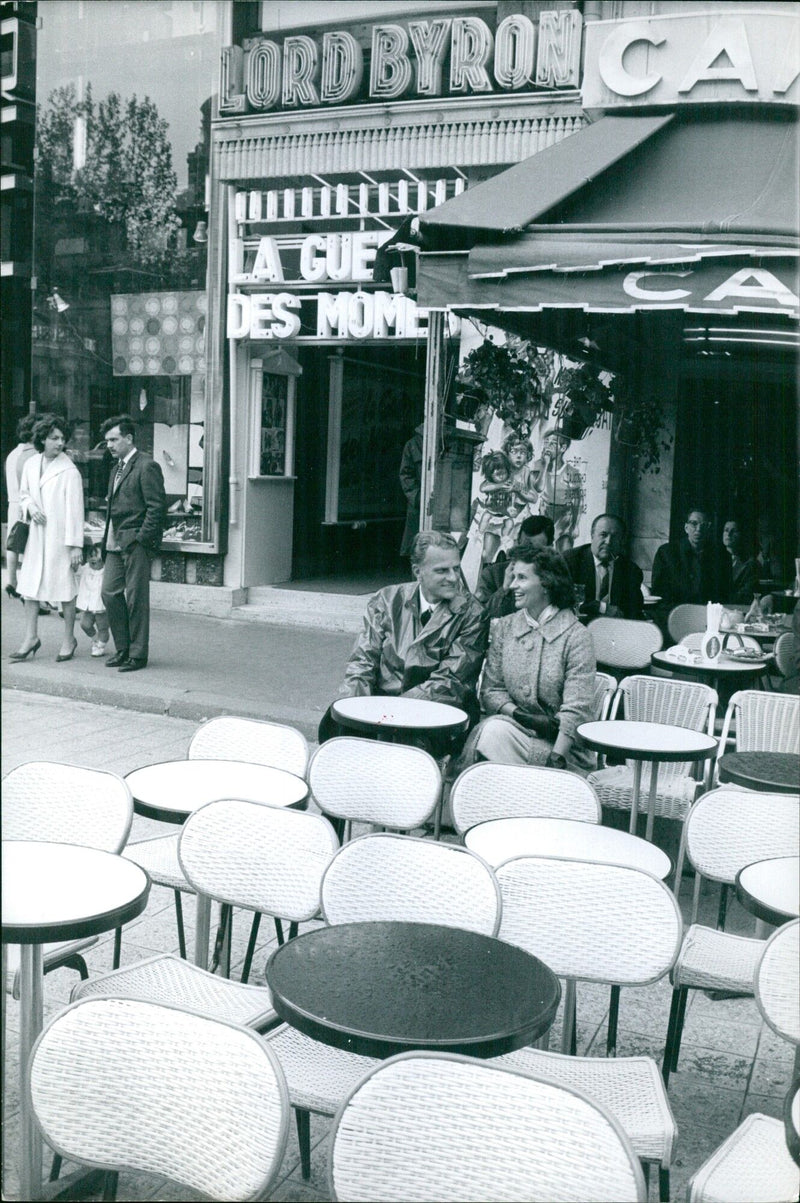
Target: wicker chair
[43,800]
[427,1126]
[604,688]
[383,784]
[599,923]
[161,1090]
[227,737]
[785,652]
[725,830]
[658,700]
[761,722]
[685,619]
[506,791]
[381,877]
[754,1162]
[624,645]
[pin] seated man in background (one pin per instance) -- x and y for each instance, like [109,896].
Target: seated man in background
[691,570]
[612,583]
[426,639]
[494,585]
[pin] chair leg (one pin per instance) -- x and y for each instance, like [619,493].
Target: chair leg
[55,1168]
[613,1019]
[251,947]
[568,1036]
[293,929]
[674,1029]
[225,912]
[110,1181]
[646,1171]
[76,962]
[117,948]
[723,907]
[179,918]
[303,1120]
[663,1183]
[279,929]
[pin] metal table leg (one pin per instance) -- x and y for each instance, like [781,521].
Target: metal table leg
[31,1019]
[637,785]
[651,801]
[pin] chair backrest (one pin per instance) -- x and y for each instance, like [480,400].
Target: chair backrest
[684,619]
[729,828]
[265,858]
[624,643]
[663,700]
[66,804]
[604,687]
[762,722]
[510,791]
[231,738]
[785,652]
[407,880]
[592,922]
[778,981]
[390,785]
[159,1089]
[425,1126]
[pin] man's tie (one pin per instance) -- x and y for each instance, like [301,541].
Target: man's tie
[602,583]
[425,617]
[118,475]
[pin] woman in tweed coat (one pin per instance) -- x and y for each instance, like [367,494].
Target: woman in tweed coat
[539,677]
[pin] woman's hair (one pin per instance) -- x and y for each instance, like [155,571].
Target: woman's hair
[25,426]
[46,425]
[552,571]
[516,440]
[494,460]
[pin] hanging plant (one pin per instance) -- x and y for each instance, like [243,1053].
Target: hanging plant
[505,377]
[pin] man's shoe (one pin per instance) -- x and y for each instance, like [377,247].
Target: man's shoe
[117,659]
[132,666]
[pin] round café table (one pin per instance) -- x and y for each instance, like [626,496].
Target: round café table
[791,1121]
[655,742]
[692,665]
[428,725]
[172,789]
[771,772]
[54,892]
[385,988]
[770,889]
[498,840]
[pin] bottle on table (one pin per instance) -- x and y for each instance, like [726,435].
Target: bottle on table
[755,613]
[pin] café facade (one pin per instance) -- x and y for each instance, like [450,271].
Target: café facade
[351,226]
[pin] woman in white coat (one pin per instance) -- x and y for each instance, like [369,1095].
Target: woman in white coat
[51,497]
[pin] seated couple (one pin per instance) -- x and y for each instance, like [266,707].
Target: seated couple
[427,639]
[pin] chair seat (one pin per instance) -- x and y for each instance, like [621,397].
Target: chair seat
[752,1166]
[716,960]
[159,857]
[630,1088]
[171,980]
[319,1077]
[53,956]
[674,796]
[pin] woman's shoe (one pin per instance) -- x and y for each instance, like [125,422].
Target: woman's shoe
[32,650]
[60,658]
[11,591]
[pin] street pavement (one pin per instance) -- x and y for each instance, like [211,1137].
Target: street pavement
[731,1063]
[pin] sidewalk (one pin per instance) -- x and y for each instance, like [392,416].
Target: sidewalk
[199,667]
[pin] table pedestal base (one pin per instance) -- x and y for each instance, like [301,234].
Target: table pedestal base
[31,1020]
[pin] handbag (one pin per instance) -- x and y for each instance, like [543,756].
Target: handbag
[17,537]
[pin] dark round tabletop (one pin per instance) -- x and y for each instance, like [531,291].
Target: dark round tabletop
[772,772]
[385,988]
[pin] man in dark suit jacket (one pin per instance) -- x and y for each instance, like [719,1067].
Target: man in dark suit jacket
[491,591]
[135,519]
[612,583]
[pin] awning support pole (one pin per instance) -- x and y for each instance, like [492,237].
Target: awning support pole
[434,377]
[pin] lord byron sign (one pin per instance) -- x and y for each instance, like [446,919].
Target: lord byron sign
[727,53]
[440,56]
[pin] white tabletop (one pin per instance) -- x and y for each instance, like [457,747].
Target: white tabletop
[657,741]
[774,884]
[62,886]
[177,787]
[681,657]
[416,713]
[497,840]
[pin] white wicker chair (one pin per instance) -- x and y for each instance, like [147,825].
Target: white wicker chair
[600,923]
[624,645]
[366,781]
[161,1090]
[381,877]
[761,722]
[658,700]
[43,800]
[685,619]
[505,791]
[425,1126]
[785,652]
[725,830]
[604,688]
[754,1162]
[227,737]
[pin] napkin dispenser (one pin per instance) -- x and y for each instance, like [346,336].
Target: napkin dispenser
[711,645]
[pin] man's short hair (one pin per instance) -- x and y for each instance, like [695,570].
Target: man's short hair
[611,518]
[538,524]
[126,426]
[697,509]
[430,538]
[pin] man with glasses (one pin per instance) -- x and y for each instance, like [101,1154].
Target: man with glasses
[691,570]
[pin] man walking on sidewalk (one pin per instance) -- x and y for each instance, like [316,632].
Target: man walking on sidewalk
[134,524]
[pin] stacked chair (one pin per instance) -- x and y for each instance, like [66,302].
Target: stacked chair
[487,791]
[624,645]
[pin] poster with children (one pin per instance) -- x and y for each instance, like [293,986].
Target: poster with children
[530,465]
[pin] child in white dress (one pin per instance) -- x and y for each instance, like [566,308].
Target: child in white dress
[94,620]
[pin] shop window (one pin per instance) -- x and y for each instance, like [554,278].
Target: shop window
[273,420]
